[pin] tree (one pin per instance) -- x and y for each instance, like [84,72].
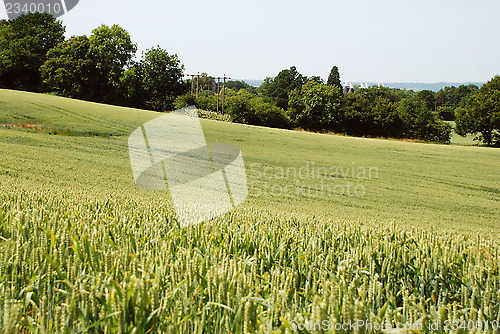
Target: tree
[316,78]
[130,88]
[112,49]
[356,110]
[68,68]
[449,99]
[454,97]
[315,106]
[374,93]
[238,85]
[420,123]
[98,68]
[334,78]
[24,44]
[242,110]
[377,118]
[429,97]
[279,87]
[248,108]
[160,75]
[481,114]
[441,97]
[386,121]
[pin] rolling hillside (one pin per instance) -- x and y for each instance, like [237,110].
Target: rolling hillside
[335,231]
[410,183]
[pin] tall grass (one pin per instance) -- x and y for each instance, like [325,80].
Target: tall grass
[83,250]
[79,262]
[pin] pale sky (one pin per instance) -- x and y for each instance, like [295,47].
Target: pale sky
[372,41]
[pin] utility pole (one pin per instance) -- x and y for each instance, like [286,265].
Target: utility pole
[209,82]
[224,92]
[197,84]
[218,92]
[224,78]
[192,81]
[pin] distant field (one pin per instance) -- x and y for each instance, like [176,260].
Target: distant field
[459,140]
[419,184]
[414,228]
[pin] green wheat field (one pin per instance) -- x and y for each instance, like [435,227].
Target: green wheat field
[335,230]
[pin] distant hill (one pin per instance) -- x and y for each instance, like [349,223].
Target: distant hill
[416,86]
[254,83]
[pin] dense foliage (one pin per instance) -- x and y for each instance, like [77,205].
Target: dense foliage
[68,68]
[371,112]
[334,78]
[34,56]
[480,114]
[315,106]
[159,75]
[282,85]
[24,43]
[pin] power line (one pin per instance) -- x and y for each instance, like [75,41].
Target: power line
[224,78]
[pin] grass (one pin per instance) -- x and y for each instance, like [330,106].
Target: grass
[416,184]
[87,251]
[66,114]
[459,140]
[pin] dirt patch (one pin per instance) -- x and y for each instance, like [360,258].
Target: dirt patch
[56,131]
[36,127]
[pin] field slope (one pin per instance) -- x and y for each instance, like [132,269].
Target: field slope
[334,228]
[288,171]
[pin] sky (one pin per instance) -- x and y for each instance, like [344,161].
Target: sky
[370,41]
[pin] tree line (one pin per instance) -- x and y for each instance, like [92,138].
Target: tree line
[292,100]
[35,56]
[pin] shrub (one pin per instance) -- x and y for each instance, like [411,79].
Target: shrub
[446,113]
[183,101]
[248,108]
[420,123]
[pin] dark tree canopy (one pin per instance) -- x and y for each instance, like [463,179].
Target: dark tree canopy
[160,75]
[376,118]
[237,85]
[480,115]
[91,68]
[429,97]
[420,123]
[315,106]
[334,78]
[69,68]
[112,50]
[279,87]
[24,44]
[453,97]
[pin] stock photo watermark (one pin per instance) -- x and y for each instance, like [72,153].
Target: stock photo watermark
[310,180]
[328,325]
[56,8]
[170,153]
[366,325]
